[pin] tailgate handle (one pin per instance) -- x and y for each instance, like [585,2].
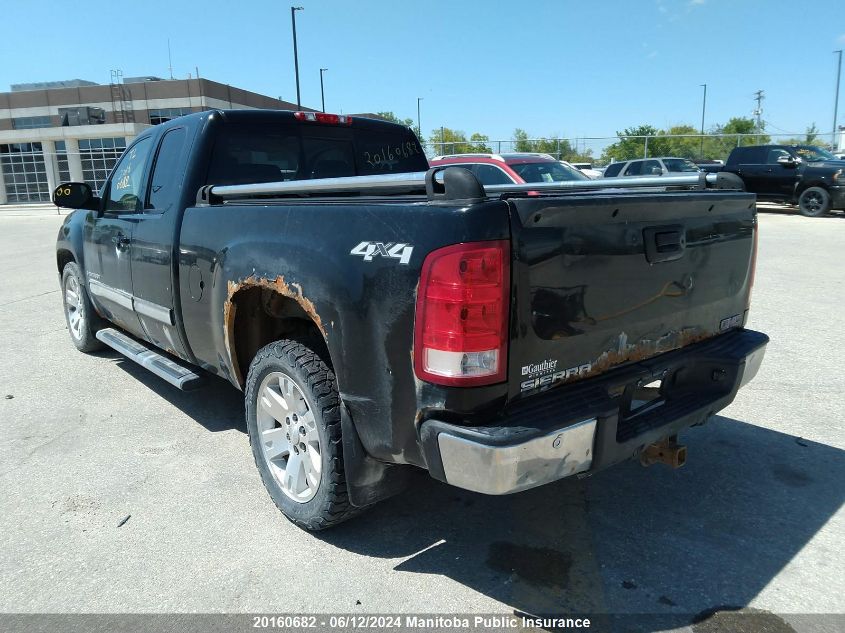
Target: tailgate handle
[664,243]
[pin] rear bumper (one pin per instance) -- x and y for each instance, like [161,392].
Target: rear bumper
[589,425]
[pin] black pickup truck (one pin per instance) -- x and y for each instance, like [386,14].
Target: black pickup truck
[805,175]
[380,317]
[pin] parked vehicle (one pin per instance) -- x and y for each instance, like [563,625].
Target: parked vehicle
[651,167]
[515,168]
[380,318]
[584,168]
[805,175]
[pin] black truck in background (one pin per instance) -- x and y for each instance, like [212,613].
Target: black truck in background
[805,175]
[379,317]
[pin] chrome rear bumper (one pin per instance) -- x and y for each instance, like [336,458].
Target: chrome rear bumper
[498,470]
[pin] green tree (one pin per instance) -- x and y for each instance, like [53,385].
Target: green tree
[555,146]
[448,141]
[390,116]
[632,144]
[682,146]
[479,143]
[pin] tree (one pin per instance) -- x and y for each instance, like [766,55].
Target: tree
[479,143]
[555,146]
[632,144]
[390,116]
[686,146]
[449,141]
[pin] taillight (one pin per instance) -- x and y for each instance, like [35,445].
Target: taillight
[461,331]
[322,117]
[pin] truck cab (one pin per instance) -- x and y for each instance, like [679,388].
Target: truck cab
[798,174]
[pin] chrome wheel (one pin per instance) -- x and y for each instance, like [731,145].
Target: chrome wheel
[74,308]
[287,431]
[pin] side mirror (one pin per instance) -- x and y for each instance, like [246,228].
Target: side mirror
[75,195]
[789,161]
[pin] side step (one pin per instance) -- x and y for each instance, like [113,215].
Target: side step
[174,373]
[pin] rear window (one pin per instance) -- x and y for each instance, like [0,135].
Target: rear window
[613,169]
[547,172]
[680,165]
[250,153]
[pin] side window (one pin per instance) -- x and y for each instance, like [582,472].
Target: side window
[613,169]
[127,177]
[635,168]
[246,154]
[750,155]
[165,179]
[491,175]
[774,154]
[652,168]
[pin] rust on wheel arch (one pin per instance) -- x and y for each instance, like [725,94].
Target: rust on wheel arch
[279,285]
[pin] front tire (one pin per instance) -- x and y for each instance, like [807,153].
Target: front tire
[814,202]
[293,420]
[82,321]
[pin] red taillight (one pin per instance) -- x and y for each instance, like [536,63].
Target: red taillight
[461,331]
[322,117]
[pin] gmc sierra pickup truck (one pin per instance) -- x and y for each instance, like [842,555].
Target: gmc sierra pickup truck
[379,317]
[805,175]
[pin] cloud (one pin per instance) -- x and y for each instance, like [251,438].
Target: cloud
[693,3]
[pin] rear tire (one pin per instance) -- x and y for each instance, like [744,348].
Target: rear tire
[293,420]
[82,321]
[814,202]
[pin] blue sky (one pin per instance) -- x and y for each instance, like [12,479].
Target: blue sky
[576,68]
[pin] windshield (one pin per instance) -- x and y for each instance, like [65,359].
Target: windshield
[811,153]
[547,172]
[680,165]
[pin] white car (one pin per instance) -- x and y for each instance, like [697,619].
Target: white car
[584,168]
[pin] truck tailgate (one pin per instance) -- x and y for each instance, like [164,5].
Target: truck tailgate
[603,280]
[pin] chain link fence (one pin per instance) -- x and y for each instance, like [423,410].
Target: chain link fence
[592,148]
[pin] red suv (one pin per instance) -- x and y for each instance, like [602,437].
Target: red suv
[507,169]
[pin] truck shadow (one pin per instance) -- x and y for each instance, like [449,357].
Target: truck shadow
[630,540]
[217,406]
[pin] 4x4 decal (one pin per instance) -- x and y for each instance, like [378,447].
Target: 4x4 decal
[368,250]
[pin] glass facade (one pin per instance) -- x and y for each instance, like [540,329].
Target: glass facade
[31,122]
[24,172]
[164,115]
[98,156]
[62,162]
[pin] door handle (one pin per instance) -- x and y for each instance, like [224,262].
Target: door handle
[664,243]
[121,241]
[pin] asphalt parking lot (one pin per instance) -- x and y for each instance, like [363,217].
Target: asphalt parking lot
[754,519]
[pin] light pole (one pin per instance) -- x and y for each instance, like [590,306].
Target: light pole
[419,125]
[293,11]
[322,92]
[703,108]
[836,100]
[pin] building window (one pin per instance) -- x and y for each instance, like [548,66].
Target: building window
[162,116]
[98,156]
[62,161]
[24,172]
[31,122]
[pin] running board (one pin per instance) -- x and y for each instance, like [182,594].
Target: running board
[174,373]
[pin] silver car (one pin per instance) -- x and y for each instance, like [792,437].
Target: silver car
[651,167]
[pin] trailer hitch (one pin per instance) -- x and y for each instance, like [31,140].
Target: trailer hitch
[666,451]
